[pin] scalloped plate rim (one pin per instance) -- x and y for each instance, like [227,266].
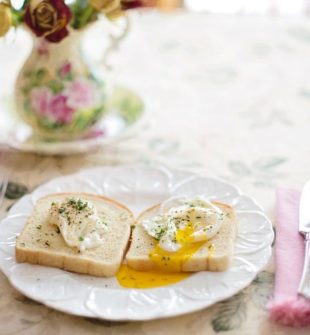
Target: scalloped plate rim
[199,305]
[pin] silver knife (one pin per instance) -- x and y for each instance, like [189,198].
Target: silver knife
[304,229]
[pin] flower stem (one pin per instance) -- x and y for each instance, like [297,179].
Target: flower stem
[17,17]
[87,16]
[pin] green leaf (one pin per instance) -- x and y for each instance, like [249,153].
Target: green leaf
[230,314]
[127,104]
[40,74]
[80,122]
[49,124]
[83,13]
[268,163]
[86,118]
[15,190]
[263,288]
[56,86]
[239,168]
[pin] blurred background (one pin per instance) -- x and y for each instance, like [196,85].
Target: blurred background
[192,59]
[274,7]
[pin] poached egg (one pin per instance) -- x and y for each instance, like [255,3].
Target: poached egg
[184,221]
[78,222]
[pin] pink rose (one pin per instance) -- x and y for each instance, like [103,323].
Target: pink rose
[59,109]
[53,107]
[40,99]
[65,70]
[81,93]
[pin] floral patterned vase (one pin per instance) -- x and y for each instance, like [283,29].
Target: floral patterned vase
[56,93]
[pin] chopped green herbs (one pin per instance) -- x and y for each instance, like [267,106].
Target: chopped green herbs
[78,204]
[159,232]
[61,210]
[39,226]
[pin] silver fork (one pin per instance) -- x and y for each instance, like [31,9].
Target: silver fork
[4,180]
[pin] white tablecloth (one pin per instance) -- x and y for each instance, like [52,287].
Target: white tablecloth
[226,95]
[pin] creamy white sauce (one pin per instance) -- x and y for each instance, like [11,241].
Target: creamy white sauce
[203,217]
[78,222]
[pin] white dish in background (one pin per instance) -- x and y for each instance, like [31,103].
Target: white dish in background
[138,187]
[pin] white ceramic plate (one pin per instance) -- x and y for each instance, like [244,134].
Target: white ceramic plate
[138,187]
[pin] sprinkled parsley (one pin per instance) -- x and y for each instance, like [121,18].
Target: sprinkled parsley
[61,210]
[81,238]
[39,226]
[78,204]
[159,232]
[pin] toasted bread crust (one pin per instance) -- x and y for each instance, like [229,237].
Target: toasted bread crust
[80,263]
[200,261]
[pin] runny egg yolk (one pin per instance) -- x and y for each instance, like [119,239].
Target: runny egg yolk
[172,261]
[130,278]
[180,232]
[169,264]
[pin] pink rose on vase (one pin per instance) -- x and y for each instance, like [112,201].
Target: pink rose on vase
[40,99]
[65,70]
[59,109]
[44,103]
[81,94]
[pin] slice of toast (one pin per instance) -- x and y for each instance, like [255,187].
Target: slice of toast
[42,243]
[214,258]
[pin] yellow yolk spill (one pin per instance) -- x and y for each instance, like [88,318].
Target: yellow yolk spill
[131,278]
[169,264]
[172,261]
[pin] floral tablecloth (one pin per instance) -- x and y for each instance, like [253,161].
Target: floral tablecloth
[226,95]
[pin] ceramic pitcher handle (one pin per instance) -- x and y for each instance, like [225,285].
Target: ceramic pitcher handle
[115,41]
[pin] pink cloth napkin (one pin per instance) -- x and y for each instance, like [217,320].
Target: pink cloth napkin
[287,307]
